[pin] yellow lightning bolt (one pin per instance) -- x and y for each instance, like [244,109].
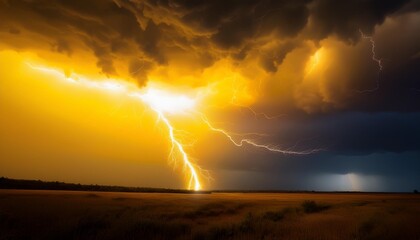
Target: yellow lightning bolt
[162,102]
[178,145]
[159,101]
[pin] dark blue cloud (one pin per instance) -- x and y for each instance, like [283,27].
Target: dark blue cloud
[382,148]
[356,133]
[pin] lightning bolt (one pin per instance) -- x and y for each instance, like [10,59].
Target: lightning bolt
[251,142]
[177,144]
[374,58]
[161,104]
[150,99]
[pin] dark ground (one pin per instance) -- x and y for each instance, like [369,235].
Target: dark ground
[51,214]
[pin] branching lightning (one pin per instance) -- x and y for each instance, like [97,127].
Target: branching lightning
[164,103]
[242,141]
[177,144]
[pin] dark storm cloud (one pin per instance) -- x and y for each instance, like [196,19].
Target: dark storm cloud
[354,82]
[102,26]
[344,18]
[396,91]
[284,18]
[210,29]
[361,86]
[273,57]
[233,22]
[357,133]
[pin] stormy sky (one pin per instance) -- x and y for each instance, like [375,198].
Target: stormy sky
[339,76]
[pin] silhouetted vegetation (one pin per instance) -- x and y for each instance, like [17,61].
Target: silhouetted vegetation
[7,183]
[277,215]
[310,206]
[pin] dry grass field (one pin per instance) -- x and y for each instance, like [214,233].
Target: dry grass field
[38,214]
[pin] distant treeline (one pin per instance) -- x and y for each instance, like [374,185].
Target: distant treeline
[7,183]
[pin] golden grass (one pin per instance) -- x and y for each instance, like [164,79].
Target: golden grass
[32,214]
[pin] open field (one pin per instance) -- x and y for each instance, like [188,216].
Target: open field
[43,214]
